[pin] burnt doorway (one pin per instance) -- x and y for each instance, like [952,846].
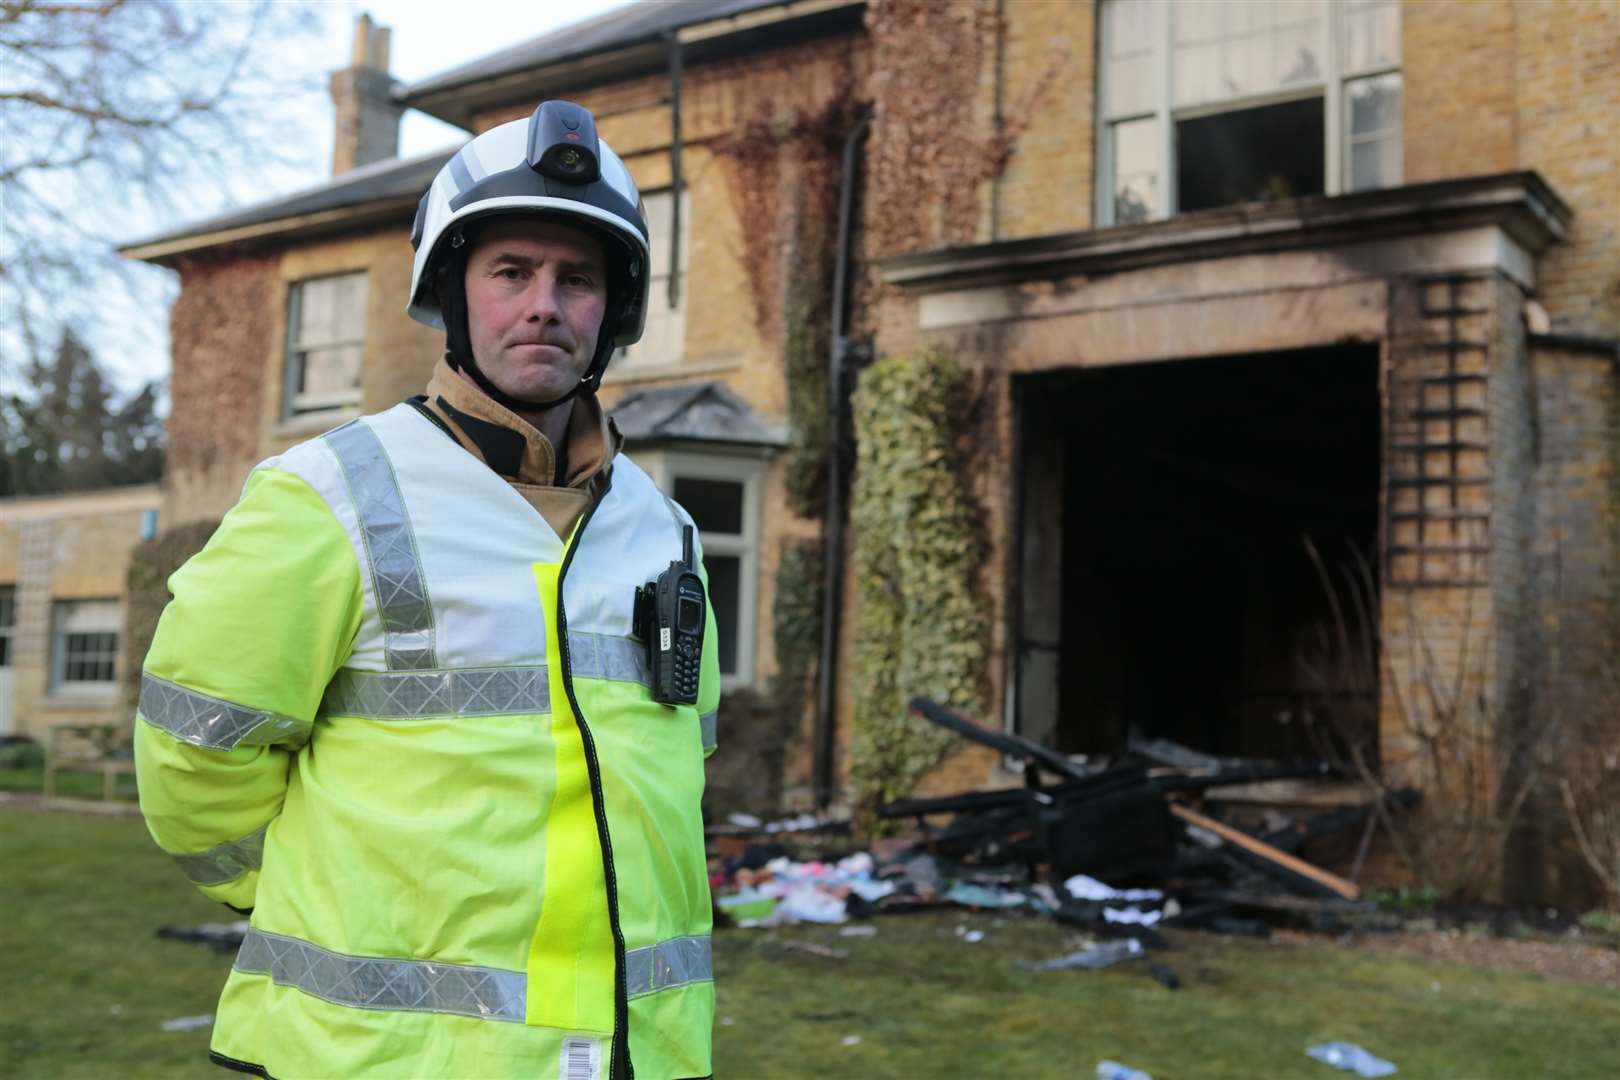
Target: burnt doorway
[1167,515]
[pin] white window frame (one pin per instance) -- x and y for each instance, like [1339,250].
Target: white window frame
[8,628]
[639,357]
[60,683]
[296,405]
[1333,89]
[665,466]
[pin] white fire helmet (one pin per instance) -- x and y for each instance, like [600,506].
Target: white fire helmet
[553,165]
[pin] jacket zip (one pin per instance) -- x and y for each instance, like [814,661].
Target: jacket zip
[621,1068]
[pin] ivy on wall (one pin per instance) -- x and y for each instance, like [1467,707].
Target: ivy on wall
[920,624]
[150,565]
[933,140]
[796,616]
[782,168]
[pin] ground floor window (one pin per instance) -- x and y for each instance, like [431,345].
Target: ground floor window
[84,644]
[8,622]
[721,492]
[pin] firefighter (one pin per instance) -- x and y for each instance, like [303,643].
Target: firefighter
[410,707]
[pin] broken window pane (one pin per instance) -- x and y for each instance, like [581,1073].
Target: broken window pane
[1136,171]
[1296,55]
[1372,34]
[325,342]
[1374,105]
[1242,48]
[1263,153]
[1130,86]
[1373,111]
[1198,74]
[1131,29]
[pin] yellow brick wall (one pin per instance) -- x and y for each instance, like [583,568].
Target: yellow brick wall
[1457,64]
[1493,85]
[1567,124]
[1049,100]
[55,548]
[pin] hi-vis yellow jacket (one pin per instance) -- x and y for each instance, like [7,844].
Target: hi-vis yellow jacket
[396,715]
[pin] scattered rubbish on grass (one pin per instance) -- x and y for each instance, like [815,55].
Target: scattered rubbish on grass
[1132,916]
[851,1040]
[982,896]
[973,937]
[1147,839]
[806,903]
[1113,1070]
[115,1010]
[858,931]
[1083,887]
[223,937]
[1104,954]
[189,1023]
[1351,1058]
[824,951]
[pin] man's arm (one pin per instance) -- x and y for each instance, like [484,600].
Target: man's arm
[260,620]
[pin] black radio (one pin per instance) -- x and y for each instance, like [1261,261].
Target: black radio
[670,617]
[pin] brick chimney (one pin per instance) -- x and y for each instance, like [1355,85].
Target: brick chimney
[367,115]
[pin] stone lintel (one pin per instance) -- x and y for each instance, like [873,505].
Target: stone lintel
[1519,206]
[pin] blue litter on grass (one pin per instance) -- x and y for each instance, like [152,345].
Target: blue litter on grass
[1351,1058]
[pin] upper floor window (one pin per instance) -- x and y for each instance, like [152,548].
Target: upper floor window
[84,644]
[664,339]
[326,330]
[1226,101]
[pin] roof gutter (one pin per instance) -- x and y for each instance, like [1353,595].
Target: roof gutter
[163,252]
[457,103]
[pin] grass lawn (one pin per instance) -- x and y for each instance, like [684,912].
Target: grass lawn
[87,986]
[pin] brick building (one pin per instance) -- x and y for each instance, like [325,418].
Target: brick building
[62,569]
[1294,328]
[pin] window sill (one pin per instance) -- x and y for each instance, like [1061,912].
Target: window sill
[651,372]
[316,422]
[70,699]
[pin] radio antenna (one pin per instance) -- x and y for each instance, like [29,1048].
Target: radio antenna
[686,545]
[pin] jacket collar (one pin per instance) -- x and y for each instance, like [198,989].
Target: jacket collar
[515,448]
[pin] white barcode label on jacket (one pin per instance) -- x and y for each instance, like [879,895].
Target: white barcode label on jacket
[581,1059]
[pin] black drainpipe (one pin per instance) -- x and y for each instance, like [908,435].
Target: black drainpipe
[826,734]
[677,66]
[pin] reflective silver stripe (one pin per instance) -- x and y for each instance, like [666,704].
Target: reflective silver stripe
[396,568]
[367,982]
[668,964]
[415,695]
[412,695]
[212,722]
[601,656]
[225,862]
[707,723]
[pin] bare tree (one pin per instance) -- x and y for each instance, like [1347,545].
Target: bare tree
[118,117]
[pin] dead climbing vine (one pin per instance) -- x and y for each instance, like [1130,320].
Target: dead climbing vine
[929,152]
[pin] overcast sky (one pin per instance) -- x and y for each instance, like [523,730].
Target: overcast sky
[429,37]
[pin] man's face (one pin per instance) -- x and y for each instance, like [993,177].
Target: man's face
[536,294]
